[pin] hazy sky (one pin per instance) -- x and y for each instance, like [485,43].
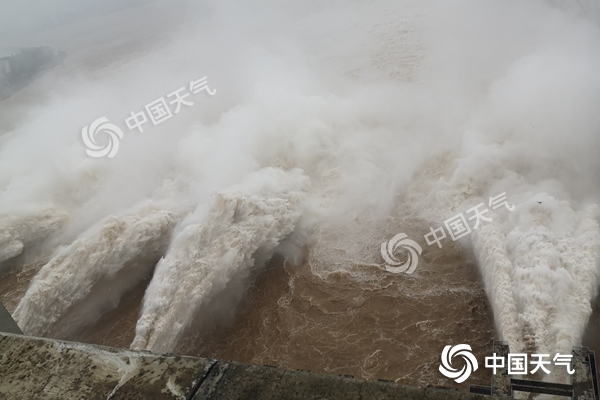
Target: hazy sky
[21,17]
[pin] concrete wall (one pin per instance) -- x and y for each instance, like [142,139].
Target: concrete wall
[35,368]
[7,324]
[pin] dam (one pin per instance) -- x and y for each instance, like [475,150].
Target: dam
[36,368]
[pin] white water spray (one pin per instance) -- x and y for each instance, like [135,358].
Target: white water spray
[206,256]
[102,251]
[325,117]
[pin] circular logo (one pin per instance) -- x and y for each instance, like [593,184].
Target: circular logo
[388,250]
[464,351]
[89,138]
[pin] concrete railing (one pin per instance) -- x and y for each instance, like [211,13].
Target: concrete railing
[36,368]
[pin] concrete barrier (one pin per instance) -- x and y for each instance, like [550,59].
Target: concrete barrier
[37,368]
[7,324]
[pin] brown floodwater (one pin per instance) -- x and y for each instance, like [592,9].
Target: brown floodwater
[388,326]
[372,324]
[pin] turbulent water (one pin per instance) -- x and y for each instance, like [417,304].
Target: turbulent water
[249,225]
[244,227]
